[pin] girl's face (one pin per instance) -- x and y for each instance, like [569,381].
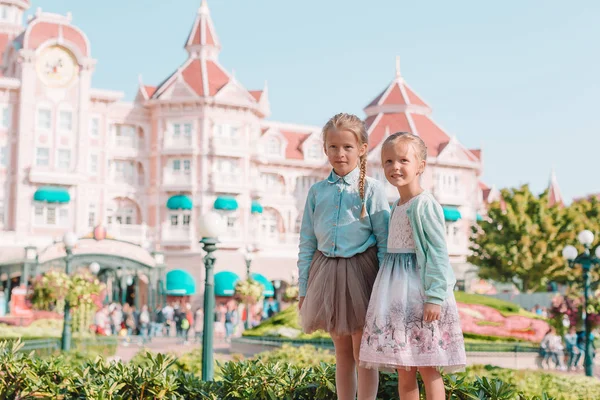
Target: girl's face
[343,151]
[401,164]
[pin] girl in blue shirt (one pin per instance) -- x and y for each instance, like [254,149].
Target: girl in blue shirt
[412,322]
[342,240]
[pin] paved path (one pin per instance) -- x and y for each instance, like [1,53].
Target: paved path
[127,350]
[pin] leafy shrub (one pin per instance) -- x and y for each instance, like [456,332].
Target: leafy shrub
[26,377]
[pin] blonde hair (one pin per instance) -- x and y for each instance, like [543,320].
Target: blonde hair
[353,124]
[418,143]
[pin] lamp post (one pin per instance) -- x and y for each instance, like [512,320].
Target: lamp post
[587,261]
[210,227]
[69,240]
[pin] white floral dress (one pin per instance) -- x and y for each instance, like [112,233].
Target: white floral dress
[395,335]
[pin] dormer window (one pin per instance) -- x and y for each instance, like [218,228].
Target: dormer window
[273,146]
[314,151]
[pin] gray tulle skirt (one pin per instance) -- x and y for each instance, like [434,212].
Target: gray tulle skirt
[338,292]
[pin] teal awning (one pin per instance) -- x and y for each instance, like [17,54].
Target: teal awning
[479,217]
[52,194]
[225,283]
[269,289]
[256,208]
[451,213]
[226,203]
[179,202]
[180,283]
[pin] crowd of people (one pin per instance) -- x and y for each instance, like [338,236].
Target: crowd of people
[176,319]
[563,353]
[126,321]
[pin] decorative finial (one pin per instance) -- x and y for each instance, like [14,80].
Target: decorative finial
[398,67]
[203,7]
[140,79]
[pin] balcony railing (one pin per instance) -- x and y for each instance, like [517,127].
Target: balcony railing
[130,233]
[177,142]
[182,178]
[176,233]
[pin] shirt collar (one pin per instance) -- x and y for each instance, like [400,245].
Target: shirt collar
[350,179]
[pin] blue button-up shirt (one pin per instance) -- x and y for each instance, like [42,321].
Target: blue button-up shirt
[332,222]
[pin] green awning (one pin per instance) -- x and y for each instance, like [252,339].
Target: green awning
[52,194]
[256,208]
[226,203]
[269,289]
[180,283]
[179,202]
[225,283]
[451,213]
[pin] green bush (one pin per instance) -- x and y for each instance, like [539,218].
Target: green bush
[26,377]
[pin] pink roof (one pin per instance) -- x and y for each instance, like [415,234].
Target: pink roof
[149,90]
[394,123]
[395,96]
[413,98]
[217,78]
[256,94]
[200,35]
[294,146]
[476,153]
[433,136]
[192,75]
[483,186]
[40,32]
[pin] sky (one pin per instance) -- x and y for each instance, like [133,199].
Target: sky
[519,79]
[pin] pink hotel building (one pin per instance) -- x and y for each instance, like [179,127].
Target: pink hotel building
[73,156]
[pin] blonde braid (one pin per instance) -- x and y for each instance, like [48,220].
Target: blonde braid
[361,184]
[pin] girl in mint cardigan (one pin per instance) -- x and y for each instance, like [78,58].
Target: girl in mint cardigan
[412,322]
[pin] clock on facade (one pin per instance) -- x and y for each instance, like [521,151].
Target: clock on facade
[56,66]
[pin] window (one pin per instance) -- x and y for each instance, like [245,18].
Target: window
[273,146]
[6,117]
[187,130]
[50,214]
[124,171]
[42,157]
[176,165]
[186,220]
[1,211]
[94,164]
[314,151]
[124,216]
[268,225]
[177,130]
[95,127]
[231,222]
[125,135]
[64,159]
[44,119]
[187,166]
[92,215]
[4,156]
[174,219]
[65,120]
[39,214]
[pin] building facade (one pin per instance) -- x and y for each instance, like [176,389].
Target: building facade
[73,157]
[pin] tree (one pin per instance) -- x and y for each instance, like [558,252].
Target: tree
[523,237]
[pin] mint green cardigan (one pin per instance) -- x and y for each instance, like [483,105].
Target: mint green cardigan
[429,232]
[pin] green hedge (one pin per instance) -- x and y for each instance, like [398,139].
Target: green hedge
[25,377]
